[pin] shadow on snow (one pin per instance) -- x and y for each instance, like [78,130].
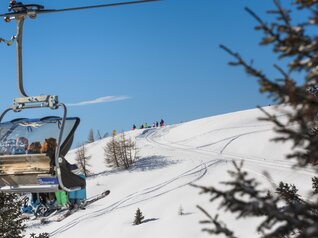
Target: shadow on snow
[150,220]
[152,163]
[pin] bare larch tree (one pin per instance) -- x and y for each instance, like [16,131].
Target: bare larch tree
[82,160]
[120,152]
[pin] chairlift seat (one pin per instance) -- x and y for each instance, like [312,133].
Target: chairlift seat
[22,170]
[24,164]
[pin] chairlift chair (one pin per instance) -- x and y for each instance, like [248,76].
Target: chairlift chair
[24,168]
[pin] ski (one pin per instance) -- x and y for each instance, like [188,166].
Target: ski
[62,215]
[44,219]
[95,198]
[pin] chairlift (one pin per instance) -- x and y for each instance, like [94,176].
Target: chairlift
[32,151]
[27,164]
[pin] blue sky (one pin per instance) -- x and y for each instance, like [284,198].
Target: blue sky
[139,63]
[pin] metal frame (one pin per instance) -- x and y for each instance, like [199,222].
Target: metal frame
[18,37]
[19,11]
[33,189]
[40,102]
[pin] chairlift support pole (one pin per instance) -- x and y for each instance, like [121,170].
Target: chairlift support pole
[21,102]
[18,37]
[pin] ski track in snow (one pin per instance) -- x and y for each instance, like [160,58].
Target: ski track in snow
[202,158]
[188,177]
[223,129]
[194,174]
[260,162]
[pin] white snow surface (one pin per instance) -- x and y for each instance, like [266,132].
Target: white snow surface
[170,159]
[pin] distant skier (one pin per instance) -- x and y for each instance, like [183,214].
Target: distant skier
[134,127]
[162,123]
[157,124]
[114,132]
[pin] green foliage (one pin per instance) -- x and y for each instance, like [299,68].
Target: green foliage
[90,138]
[284,213]
[180,211]
[41,235]
[315,184]
[242,197]
[138,217]
[10,216]
[288,193]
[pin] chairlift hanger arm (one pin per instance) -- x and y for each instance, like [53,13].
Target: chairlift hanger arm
[32,12]
[10,182]
[19,11]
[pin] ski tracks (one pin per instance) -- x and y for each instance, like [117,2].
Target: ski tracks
[202,159]
[265,163]
[185,178]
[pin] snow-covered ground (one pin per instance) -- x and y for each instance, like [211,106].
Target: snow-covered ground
[171,158]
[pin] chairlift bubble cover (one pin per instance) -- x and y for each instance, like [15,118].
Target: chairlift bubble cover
[24,165]
[20,136]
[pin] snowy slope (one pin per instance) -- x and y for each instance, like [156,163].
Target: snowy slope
[171,158]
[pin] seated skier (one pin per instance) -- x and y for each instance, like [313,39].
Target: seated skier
[35,148]
[21,145]
[71,179]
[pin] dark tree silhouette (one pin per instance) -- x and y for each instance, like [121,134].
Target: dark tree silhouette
[90,138]
[120,152]
[139,218]
[315,184]
[82,160]
[11,223]
[284,212]
[41,235]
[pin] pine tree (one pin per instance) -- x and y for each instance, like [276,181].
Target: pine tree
[82,160]
[138,217]
[91,136]
[284,213]
[315,185]
[180,211]
[288,192]
[41,235]
[11,224]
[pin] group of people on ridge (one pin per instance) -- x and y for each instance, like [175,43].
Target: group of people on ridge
[154,124]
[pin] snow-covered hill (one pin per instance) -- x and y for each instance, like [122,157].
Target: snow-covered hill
[171,158]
